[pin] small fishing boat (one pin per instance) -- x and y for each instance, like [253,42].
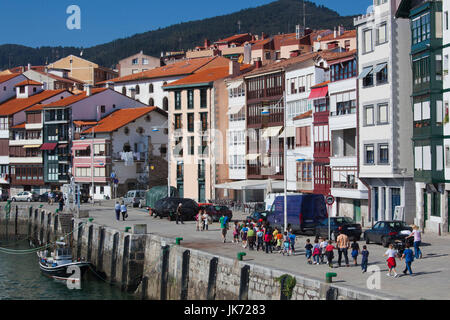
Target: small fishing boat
[59,264]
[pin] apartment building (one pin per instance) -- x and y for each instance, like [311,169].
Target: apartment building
[429,105]
[384,111]
[128,147]
[137,63]
[83,70]
[197,104]
[7,85]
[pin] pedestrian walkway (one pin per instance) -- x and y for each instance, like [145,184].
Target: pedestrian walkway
[430,280]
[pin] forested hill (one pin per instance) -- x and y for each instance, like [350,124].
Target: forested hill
[277,17]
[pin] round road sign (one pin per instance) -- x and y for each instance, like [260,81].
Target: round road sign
[330,200]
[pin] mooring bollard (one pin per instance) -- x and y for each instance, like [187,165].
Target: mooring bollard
[41,206]
[329,277]
[91,219]
[127,229]
[240,256]
[178,241]
[57,211]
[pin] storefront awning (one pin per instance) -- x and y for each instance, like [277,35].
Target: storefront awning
[80,146]
[234,110]
[32,146]
[380,67]
[49,146]
[317,93]
[272,132]
[290,132]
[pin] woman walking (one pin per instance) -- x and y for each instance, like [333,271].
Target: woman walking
[417,241]
[123,210]
[117,210]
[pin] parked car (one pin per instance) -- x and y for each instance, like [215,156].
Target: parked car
[133,197]
[26,196]
[44,197]
[216,211]
[304,212]
[167,207]
[339,224]
[258,215]
[386,232]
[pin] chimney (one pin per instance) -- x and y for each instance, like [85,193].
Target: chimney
[207,44]
[341,30]
[258,63]
[234,68]
[88,89]
[335,32]
[29,66]
[99,116]
[247,53]
[263,36]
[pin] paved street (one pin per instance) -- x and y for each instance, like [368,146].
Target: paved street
[430,281]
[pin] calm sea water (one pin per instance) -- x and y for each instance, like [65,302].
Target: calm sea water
[21,279]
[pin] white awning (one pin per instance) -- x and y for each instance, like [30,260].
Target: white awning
[250,185]
[365,72]
[235,84]
[271,132]
[380,67]
[290,132]
[252,157]
[234,110]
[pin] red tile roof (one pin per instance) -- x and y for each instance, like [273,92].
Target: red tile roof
[28,83]
[236,38]
[323,84]
[176,69]
[120,118]
[307,114]
[37,107]
[346,34]
[84,123]
[15,105]
[74,99]
[331,56]
[7,77]
[206,76]
[19,126]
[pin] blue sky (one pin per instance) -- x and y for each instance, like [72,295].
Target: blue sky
[43,22]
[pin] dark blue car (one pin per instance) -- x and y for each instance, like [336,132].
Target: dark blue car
[304,212]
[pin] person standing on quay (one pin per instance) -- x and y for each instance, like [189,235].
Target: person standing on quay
[417,241]
[343,244]
[179,214]
[61,203]
[117,209]
[224,226]
[123,210]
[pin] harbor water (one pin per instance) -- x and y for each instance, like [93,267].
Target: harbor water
[21,279]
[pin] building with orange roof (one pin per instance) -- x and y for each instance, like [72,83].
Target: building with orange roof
[83,70]
[129,147]
[147,86]
[17,144]
[197,128]
[58,129]
[340,38]
[54,79]
[7,85]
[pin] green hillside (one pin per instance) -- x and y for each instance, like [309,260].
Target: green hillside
[277,17]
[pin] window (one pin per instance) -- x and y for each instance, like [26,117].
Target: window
[382,34]
[368,41]
[138,89]
[439,67]
[203,101]
[304,172]
[177,100]
[383,154]
[124,91]
[144,61]
[321,105]
[99,150]
[178,124]
[344,70]
[382,73]
[135,61]
[191,146]
[422,158]
[421,71]
[99,172]
[303,136]
[190,118]
[151,102]
[369,154]
[439,158]
[204,121]
[368,78]
[446,20]
[102,109]
[190,99]
[83,153]
[422,111]
[383,115]
[150,88]
[165,104]
[421,29]
[369,116]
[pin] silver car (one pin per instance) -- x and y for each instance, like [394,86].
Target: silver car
[134,197]
[25,196]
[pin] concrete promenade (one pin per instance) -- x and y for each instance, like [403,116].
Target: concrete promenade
[430,281]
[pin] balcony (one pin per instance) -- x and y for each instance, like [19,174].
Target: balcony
[322,149]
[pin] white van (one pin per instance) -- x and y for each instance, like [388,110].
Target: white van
[134,197]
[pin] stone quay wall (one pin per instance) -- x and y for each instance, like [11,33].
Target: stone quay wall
[156,268]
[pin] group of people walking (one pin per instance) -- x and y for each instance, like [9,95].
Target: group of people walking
[121,209]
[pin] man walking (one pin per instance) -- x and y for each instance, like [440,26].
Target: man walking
[224,226]
[117,209]
[343,244]
[179,215]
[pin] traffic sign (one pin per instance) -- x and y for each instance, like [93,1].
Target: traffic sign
[116,181]
[330,200]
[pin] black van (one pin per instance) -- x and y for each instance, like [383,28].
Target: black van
[167,207]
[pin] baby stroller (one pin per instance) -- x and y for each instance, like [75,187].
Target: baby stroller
[400,245]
